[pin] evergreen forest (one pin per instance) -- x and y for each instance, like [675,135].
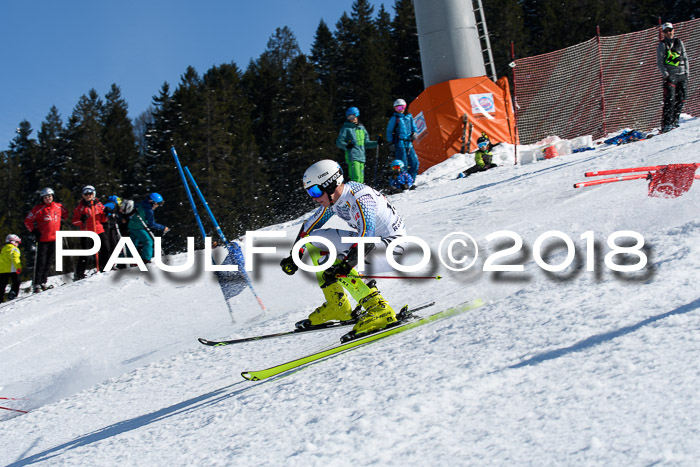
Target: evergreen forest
[248,133]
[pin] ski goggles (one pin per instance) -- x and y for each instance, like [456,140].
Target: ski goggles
[399,108]
[315,191]
[483,145]
[396,167]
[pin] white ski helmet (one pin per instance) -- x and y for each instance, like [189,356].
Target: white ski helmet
[89,189]
[46,192]
[399,102]
[126,206]
[322,177]
[12,238]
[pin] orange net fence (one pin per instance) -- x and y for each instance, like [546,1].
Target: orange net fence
[600,86]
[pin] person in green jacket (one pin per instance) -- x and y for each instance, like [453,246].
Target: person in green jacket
[10,266]
[483,157]
[354,139]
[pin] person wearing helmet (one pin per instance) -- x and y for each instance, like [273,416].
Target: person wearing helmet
[10,267]
[400,180]
[483,157]
[43,221]
[672,62]
[89,215]
[353,139]
[142,225]
[369,214]
[402,129]
[111,208]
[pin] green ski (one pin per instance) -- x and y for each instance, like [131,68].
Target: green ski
[357,342]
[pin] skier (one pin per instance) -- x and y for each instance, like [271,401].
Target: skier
[89,215]
[370,214]
[143,223]
[10,267]
[354,139]
[43,221]
[483,157]
[400,180]
[402,129]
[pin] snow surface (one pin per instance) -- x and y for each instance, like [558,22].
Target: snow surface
[569,368]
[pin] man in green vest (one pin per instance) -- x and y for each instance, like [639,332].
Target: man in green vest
[672,61]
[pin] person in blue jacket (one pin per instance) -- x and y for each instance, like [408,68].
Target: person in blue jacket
[354,139]
[143,224]
[402,129]
[400,180]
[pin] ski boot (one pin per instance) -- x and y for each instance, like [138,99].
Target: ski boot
[335,308]
[378,316]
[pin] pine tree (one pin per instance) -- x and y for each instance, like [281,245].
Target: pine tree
[363,66]
[267,83]
[406,52]
[121,155]
[85,149]
[324,56]
[23,152]
[51,154]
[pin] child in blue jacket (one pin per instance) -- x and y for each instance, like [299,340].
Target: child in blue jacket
[400,180]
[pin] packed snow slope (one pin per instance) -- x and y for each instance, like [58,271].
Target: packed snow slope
[576,367]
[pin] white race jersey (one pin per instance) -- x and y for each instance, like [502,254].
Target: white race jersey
[366,210]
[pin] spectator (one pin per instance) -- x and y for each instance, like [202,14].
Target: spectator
[402,129]
[483,157]
[10,267]
[43,221]
[672,61]
[143,223]
[354,139]
[111,208]
[400,180]
[89,215]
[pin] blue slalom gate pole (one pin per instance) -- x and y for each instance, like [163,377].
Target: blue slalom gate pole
[189,193]
[230,247]
[196,214]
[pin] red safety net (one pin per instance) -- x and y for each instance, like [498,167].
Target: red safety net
[600,86]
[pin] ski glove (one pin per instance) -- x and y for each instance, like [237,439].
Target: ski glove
[19,271]
[342,268]
[349,145]
[288,266]
[83,218]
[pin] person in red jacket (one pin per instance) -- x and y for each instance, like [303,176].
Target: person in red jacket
[89,214]
[43,221]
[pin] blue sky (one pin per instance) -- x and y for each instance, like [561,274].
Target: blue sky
[55,51]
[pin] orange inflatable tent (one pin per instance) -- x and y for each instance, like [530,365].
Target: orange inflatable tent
[439,113]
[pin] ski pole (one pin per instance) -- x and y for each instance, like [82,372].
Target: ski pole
[13,410]
[621,178]
[621,171]
[359,276]
[94,226]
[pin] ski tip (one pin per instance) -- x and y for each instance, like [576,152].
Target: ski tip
[204,341]
[248,376]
